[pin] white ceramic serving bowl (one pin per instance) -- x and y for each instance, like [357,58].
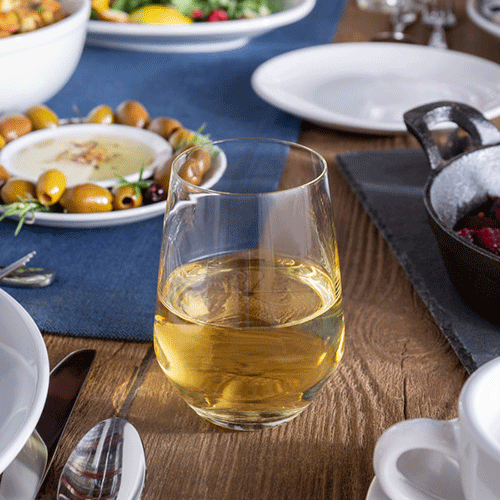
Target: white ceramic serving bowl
[36,65]
[9,154]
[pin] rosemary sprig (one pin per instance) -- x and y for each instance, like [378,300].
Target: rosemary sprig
[138,185]
[23,208]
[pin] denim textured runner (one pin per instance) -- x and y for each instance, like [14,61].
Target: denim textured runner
[106,278]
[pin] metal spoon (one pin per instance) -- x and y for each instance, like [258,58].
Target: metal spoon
[108,463]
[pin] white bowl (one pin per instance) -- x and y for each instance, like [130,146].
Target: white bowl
[195,37]
[36,65]
[35,145]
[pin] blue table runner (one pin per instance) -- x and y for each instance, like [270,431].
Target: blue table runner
[106,277]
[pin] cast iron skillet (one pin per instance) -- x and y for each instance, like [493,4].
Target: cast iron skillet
[454,187]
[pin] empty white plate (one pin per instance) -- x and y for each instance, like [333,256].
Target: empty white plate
[24,377]
[367,87]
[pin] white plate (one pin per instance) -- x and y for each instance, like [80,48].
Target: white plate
[24,377]
[481,21]
[118,217]
[160,147]
[195,37]
[367,87]
[429,471]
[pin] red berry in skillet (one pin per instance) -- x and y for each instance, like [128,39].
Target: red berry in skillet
[467,233]
[489,238]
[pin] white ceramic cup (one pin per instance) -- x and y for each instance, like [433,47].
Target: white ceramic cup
[472,440]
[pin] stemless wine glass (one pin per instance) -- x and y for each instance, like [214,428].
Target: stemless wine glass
[249,322]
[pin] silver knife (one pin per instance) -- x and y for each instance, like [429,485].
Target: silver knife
[23,478]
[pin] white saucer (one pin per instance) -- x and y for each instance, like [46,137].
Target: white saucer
[367,87]
[428,470]
[24,377]
[375,492]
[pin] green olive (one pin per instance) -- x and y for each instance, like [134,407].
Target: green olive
[14,126]
[41,117]
[202,157]
[132,113]
[181,137]
[125,197]
[164,126]
[196,165]
[190,171]
[161,174]
[101,114]
[86,198]
[4,175]
[50,186]
[15,189]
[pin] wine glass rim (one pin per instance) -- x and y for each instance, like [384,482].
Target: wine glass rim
[216,143]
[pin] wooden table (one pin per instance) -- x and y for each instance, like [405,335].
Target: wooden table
[397,364]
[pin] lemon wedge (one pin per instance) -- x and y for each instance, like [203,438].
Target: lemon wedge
[158,14]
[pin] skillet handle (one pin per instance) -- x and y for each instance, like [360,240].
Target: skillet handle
[419,120]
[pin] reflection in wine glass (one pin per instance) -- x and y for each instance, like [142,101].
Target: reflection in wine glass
[403,13]
[249,323]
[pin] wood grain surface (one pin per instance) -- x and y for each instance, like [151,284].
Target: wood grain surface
[397,364]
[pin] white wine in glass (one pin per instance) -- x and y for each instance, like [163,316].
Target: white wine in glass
[249,322]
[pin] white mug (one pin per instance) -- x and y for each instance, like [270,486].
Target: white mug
[472,440]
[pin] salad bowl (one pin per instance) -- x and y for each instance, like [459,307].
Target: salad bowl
[194,37]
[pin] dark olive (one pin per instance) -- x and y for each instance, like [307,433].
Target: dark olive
[132,113]
[164,126]
[101,114]
[125,197]
[153,194]
[14,126]
[42,116]
[87,198]
[50,186]
[15,189]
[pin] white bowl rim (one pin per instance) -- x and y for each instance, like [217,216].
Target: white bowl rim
[160,146]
